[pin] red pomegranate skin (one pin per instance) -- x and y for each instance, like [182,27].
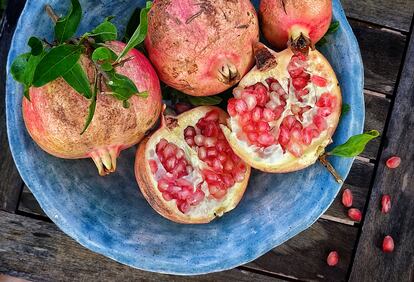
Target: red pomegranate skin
[312,17]
[189,42]
[56,114]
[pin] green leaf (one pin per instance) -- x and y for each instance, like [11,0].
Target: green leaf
[103,54]
[106,31]
[345,109]
[139,34]
[78,80]
[57,62]
[66,27]
[123,87]
[132,25]
[36,45]
[205,101]
[333,27]
[19,66]
[355,145]
[92,106]
[321,42]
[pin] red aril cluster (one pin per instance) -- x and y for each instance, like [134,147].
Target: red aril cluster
[225,167]
[270,114]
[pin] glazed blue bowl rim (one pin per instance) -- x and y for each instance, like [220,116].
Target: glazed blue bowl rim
[154,265]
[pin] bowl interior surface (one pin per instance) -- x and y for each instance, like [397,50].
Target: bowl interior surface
[109,214]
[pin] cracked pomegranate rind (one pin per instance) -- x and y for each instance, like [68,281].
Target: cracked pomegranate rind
[284,113]
[187,171]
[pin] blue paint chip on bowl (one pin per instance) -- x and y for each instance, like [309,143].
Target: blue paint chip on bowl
[110,216]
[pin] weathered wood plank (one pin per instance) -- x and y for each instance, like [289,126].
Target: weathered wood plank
[304,256]
[10,181]
[29,204]
[38,251]
[376,111]
[395,14]
[399,265]
[358,182]
[381,51]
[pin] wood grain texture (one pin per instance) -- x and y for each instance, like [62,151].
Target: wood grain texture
[394,14]
[398,183]
[381,51]
[11,183]
[304,256]
[38,251]
[358,182]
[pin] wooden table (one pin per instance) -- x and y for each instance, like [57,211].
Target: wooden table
[32,247]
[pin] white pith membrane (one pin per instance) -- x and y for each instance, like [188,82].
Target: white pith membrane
[202,206]
[274,157]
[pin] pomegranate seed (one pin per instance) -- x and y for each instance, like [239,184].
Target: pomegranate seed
[184,207]
[295,133]
[297,125]
[355,214]
[199,140]
[161,145]
[180,154]
[250,100]
[220,194]
[320,122]
[289,121]
[263,126]
[228,165]
[393,162]
[385,204]
[163,184]
[190,141]
[283,136]
[249,128]
[153,166]
[202,153]
[299,83]
[271,105]
[212,152]
[237,92]
[324,112]
[189,131]
[221,145]
[189,169]
[240,106]
[295,109]
[210,141]
[216,165]
[266,139]
[268,115]
[196,198]
[213,189]
[347,198]
[388,244]
[211,130]
[325,100]
[245,118]
[231,107]
[319,81]
[169,150]
[332,258]
[307,136]
[167,196]
[239,176]
[170,164]
[257,114]
[275,86]
[302,92]
[252,136]
[183,194]
[295,148]
[212,116]
[278,112]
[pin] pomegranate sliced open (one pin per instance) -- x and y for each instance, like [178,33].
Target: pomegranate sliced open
[187,171]
[284,111]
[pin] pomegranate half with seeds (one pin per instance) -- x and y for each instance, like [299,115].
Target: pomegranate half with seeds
[284,111]
[187,171]
[202,48]
[299,22]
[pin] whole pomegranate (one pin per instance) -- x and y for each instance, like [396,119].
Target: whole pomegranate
[202,47]
[285,110]
[187,171]
[56,115]
[299,22]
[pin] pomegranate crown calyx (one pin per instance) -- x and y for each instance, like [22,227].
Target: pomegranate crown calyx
[264,58]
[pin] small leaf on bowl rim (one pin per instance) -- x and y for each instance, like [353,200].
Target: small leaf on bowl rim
[354,146]
[36,45]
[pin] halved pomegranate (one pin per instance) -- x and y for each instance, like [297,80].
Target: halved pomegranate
[285,110]
[187,171]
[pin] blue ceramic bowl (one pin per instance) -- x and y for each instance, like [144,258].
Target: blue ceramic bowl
[110,216]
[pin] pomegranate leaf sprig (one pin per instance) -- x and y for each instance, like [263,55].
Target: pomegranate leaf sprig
[47,62]
[331,30]
[351,148]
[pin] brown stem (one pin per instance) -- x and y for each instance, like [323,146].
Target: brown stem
[330,168]
[51,13]
[122,62]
